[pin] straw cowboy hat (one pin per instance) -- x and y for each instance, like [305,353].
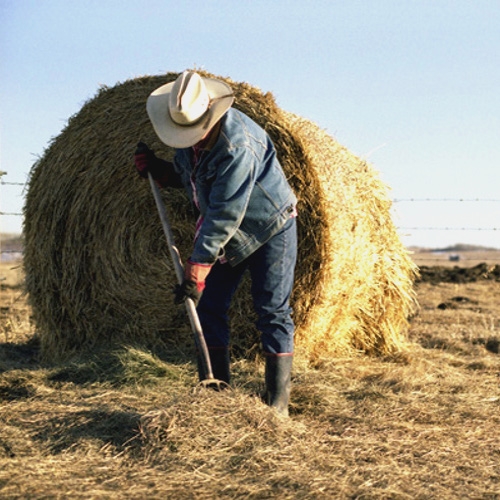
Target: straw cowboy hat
[183,111]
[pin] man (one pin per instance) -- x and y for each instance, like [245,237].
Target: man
[229,167]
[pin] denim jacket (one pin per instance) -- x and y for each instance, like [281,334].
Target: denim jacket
[240,188]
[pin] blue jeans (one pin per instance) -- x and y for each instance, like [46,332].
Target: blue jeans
[271,269]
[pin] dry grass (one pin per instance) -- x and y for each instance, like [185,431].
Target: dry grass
[127,424]
[14,312]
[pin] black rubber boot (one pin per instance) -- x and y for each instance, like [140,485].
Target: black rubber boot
[219,357]
[278,381]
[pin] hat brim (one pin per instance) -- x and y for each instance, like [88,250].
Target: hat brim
[179,136]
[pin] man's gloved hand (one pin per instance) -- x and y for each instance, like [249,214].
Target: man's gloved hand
[187,290]
[146,161]
[143,157]
[194,282]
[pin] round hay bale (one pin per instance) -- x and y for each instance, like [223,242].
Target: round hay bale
[98,269]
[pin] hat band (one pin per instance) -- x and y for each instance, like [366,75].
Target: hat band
[192,123]
[186,123]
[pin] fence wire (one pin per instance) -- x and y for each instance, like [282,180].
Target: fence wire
[486,200]
[395,200]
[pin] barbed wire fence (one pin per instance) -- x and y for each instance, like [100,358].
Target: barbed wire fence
[395,201]
[454,257]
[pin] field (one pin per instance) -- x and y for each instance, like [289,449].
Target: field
[127,424]
[455,257]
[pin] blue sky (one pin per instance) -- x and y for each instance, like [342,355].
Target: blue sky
[411,85]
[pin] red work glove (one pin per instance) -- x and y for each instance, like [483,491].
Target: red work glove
[194,282]
[146,161]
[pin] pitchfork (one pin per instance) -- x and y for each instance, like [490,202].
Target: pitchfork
[201,345]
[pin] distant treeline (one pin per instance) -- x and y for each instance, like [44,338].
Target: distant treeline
[458,247]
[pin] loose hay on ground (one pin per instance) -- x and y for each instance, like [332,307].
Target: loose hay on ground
[204,425]
[209,434]
[97,267]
